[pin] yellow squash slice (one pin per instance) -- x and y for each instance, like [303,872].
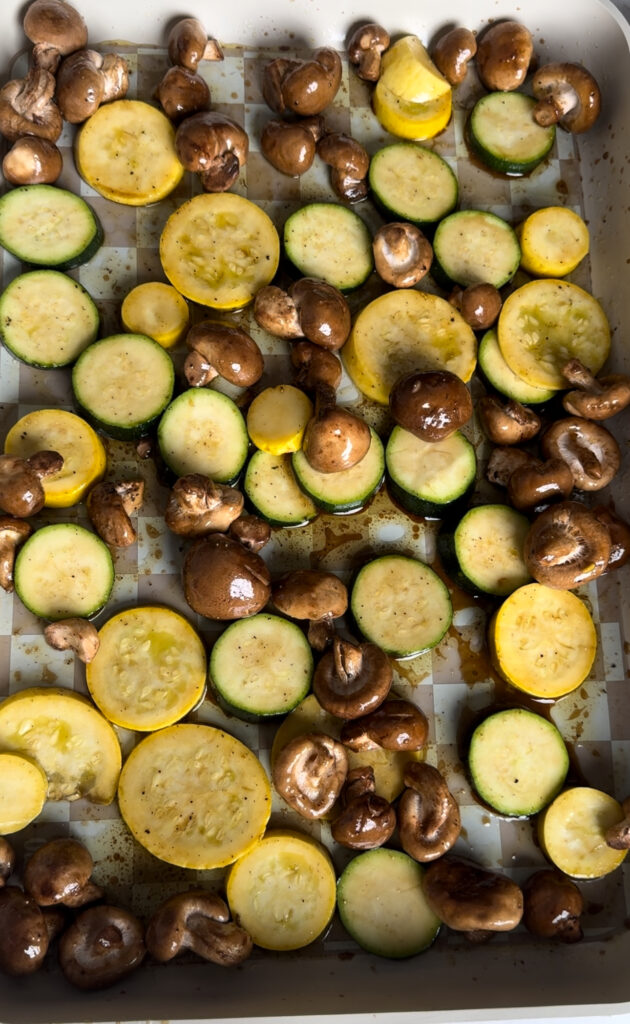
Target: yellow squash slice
[411,99]
[126,152]
[64,733]
[277,418]
[553,241]
[572,832]
[156,309]
[194,796]
[407,330]
[149,670]
[23,789]
[84,458]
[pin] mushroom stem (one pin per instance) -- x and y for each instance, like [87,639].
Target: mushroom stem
[110,507]
[309,772]
[402,254]
[568,95]
[76,635]
[429,821]
[13,533]
[348,660]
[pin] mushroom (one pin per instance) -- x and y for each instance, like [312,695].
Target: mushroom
[479,304]
[365,47]
[197,506]
[506,460]
[619,532]
[27,107]
[251,531]
[214,146]
[567,546]
[395,725]
[309,772]
[504,54]
[110,507]
[312,594]
[316,366]
[567,95]
[220,350]
[429,821]
[552,906]
[507,422]
[181,93]
[310,309]
[223,580]
[57,25]
[290,146]
[468,898]
[452,53]
[537,483]
[32,161]
[352,680]
[618,836]
[59,872]
[349,163]
[304,86]
[188,44]
[402,254]
[86,79]
[21,490]
[595,399]
[13,533]
[432,405]
[366,820]
[24,937]
[589,450]
[334,439]
[7,861]
[102,945]
[199,921]
[78,635]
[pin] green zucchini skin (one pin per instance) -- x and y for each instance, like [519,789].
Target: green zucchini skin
[502,132]
[412,183]
[428,497]
[330,242]
[30,236]
[495,371]
[486,534]
[347,491]
[474,247]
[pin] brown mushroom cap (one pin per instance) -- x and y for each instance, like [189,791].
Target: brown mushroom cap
[349,162]
[323,312]
[310,594]
[619,532]
[27,107]
[103,945]
[188,44]
[57,23]
[402,254]
[552,906]
[110,507]
[59,872]
[568,95]
[507,422]
[452,53]
[596,399]
[432,405]
[566,546]
[366,820]
[7,860]
[13,533]
[223,580]
[316,367]
[74,634]
[429,821]
[395,725]
[365,46]
[288,146]
[32,161]
[21,490]
[229,351]
[351,680]
[304,86]
[589,450]
[309,772]
[23,934]
[182,92]
[199,921]
[467,897]
[86,79]
[334,439]
[214,146]
[479,304]
[197,506]
[537,483]
[251,531]
[504,53]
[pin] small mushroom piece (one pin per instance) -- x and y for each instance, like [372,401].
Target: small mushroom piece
[181,93]
[188,44]
[27,107]
[304,86]
[479,304]
[432,405]
[468,898]
[402,254]
[290,147]
[110,507]
[334,439]
[567,95]
[86,79]
[538,483]
[595,399]
[453,52]
[618,836]
[552,906]
[312,594]
[395,725]
[251,531]
[223,580]
[78,635]
[226,351]
[566,546]
[7,861]
[507,422]
[429,821]
[199,921]
[352,680]
[21,490]
[309,772]
[506,460]
[275,312]
[59,872]
[504,53]
[316,367]
[619,532]
[589,450]
[311,309]
[214,146]
[32,161]
[349,163]
[23,934]
[102,946]
[13,533]
[197,506]
[366,820]
[365,47]
[57,24]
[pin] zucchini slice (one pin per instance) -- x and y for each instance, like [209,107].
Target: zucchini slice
[123,383]
[504,135]
[63,732]
[149,670]
[194,796]
[517,762]
[23,790]
[475,247]
[63,570]
[484,553]
[348,490]
[156,309]
[283,890]
[274,493]
[203,431]
[553,241]
[413,183]
[401,604]
[502,378]
[382,904]
[329,242]
[429,479]
[84,457]
[572,832]
[261,666]
[406,330]
[47,319]
[48,226]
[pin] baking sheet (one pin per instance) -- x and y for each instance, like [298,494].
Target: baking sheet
[452,684]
